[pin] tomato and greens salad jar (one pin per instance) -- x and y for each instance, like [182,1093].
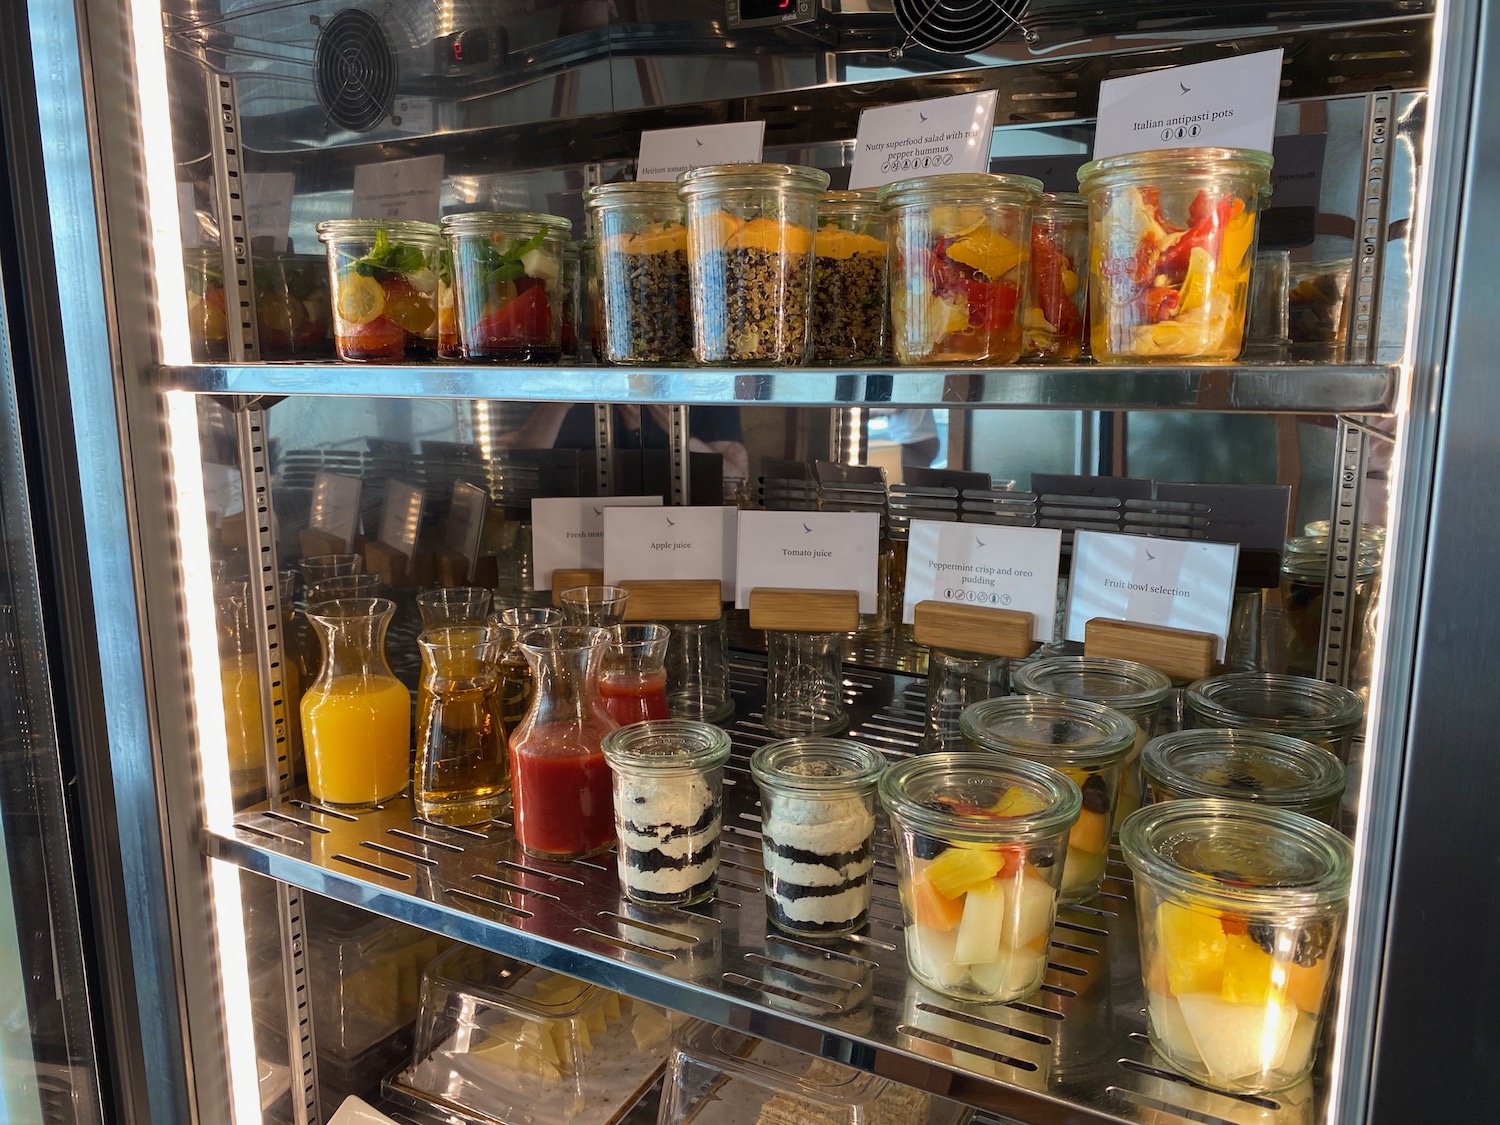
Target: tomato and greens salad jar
[750,260]
[850,319]
[1171,242]
[979,846]
[383,277]
[1057,289]
[960,245]
[1241,911]
[641,265]
[507,280]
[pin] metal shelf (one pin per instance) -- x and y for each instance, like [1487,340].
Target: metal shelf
[1263,388]
[1075,1052]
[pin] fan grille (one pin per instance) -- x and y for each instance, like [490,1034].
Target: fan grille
[956,27]
[355,69]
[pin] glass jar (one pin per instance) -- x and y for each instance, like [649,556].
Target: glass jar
[599,606]
[1317,303]
[1087,742]
[293,315]
[1171,241]
[383,279]
[698,670]
[1135,690]
[572,299]
[508,281]
[644,310]
[668,778]
[633,675]
[817,823]
[1304,579]
[239,676]
[1057,288]
[561,783]
[804,683]
[850,319]
[1296,705]
[356,715]
[447,309]
[453,605]
[516,684]
[960,244]
[956,680]
[208,321]
[1241,911]
[462,773]
[978,838]
[750,242]
[1245,765]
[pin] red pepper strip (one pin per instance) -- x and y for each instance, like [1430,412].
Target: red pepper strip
[1161,303]
[992,304]
[527,318]
[1205,233]
[1201,207]
[1046,275]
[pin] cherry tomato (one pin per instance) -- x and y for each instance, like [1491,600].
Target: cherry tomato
[381,338]
[526,319]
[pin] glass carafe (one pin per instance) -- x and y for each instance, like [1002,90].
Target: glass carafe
[356,716]
[516,684]
[562,800]
[462,775]
[633,676]
[239,672]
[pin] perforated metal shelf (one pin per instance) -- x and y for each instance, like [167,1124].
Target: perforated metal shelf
[1075,1052]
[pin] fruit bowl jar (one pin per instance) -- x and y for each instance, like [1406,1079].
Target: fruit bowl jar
[1241,911]
[1296,705]
[508,284]
[1245,765]
[383,280]
[1087,742]
[1171,242]
[978,843]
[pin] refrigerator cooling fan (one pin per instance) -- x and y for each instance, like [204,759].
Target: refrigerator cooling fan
[355,70]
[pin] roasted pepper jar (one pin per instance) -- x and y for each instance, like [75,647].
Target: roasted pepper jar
[1057,287]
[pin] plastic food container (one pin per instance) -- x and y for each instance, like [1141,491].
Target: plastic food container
[1245,765]
[508,284]
[669,776]
[1171,242]
[1304,580]
[722,1077]
[1057,287]
[851,323]
[1135,690]
[750,243]
[960,245]
[817,807]
[1087,742]
[383,278]
[502,1041]
[644,312]
[1241,911]
[978,844]
[1296,705]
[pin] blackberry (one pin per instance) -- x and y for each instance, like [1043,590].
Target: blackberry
[1042,855]
[1243,781]
[1096,794]
[926,847]
[1311,945]
[1262,934]
[932,804]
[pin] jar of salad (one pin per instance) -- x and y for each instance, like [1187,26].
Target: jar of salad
[850,319]
[641,265]
[961,245]
[383,278]
[208,323]
[508,282]
[448,345]
[1171,242]
[750,260]
[1052,329]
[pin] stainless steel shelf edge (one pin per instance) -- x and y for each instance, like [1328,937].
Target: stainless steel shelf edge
[1238,388]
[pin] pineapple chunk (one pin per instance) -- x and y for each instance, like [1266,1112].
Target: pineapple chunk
[650,1029]
[611,1006]
[958,870]
[1192,948]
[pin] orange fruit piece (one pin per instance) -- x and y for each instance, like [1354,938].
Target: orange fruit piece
[933,910]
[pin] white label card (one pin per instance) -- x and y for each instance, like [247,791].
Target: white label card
[667,153]
[1178,583]
[335,506]
[808,551]
[466,521]
[1229,103]
[401,518]
[897,142]
[980,565]
[268,206]
[670,544]
[567,532]
[399,189]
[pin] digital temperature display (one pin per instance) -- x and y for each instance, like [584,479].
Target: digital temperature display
[467,48]
[766,9]
[770,13]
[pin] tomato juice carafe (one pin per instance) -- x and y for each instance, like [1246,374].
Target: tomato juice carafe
[462,775]
[563,806]
[356,716]
[633,675]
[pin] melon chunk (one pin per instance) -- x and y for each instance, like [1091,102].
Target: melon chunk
[1237,1041]
[1171,1029]
[1033,908]
[979,930]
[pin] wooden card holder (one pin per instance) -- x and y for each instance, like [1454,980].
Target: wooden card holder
[316,542]
[804,611]
[688,599]
[1180,654]
[567,579]
[965,628]
[387,564]
[452,567]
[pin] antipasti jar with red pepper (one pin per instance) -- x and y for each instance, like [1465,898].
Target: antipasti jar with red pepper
[1052,328]
[960,245]
[507,278]
[1171,242]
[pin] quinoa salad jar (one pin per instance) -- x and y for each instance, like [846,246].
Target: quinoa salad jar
[641,263]
[851,321]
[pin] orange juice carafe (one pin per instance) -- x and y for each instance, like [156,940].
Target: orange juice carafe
[356,716]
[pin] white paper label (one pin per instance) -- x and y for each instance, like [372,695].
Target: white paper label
[335,506]
[979,565]
[1178,583]
[1229,103]
[466,521]
[399,189]
[268,206]
[808,551]
[667,153]
[670,544]
[567,532]
[897,142]
[401,518]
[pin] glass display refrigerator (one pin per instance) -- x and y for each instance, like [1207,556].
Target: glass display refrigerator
[192,439]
